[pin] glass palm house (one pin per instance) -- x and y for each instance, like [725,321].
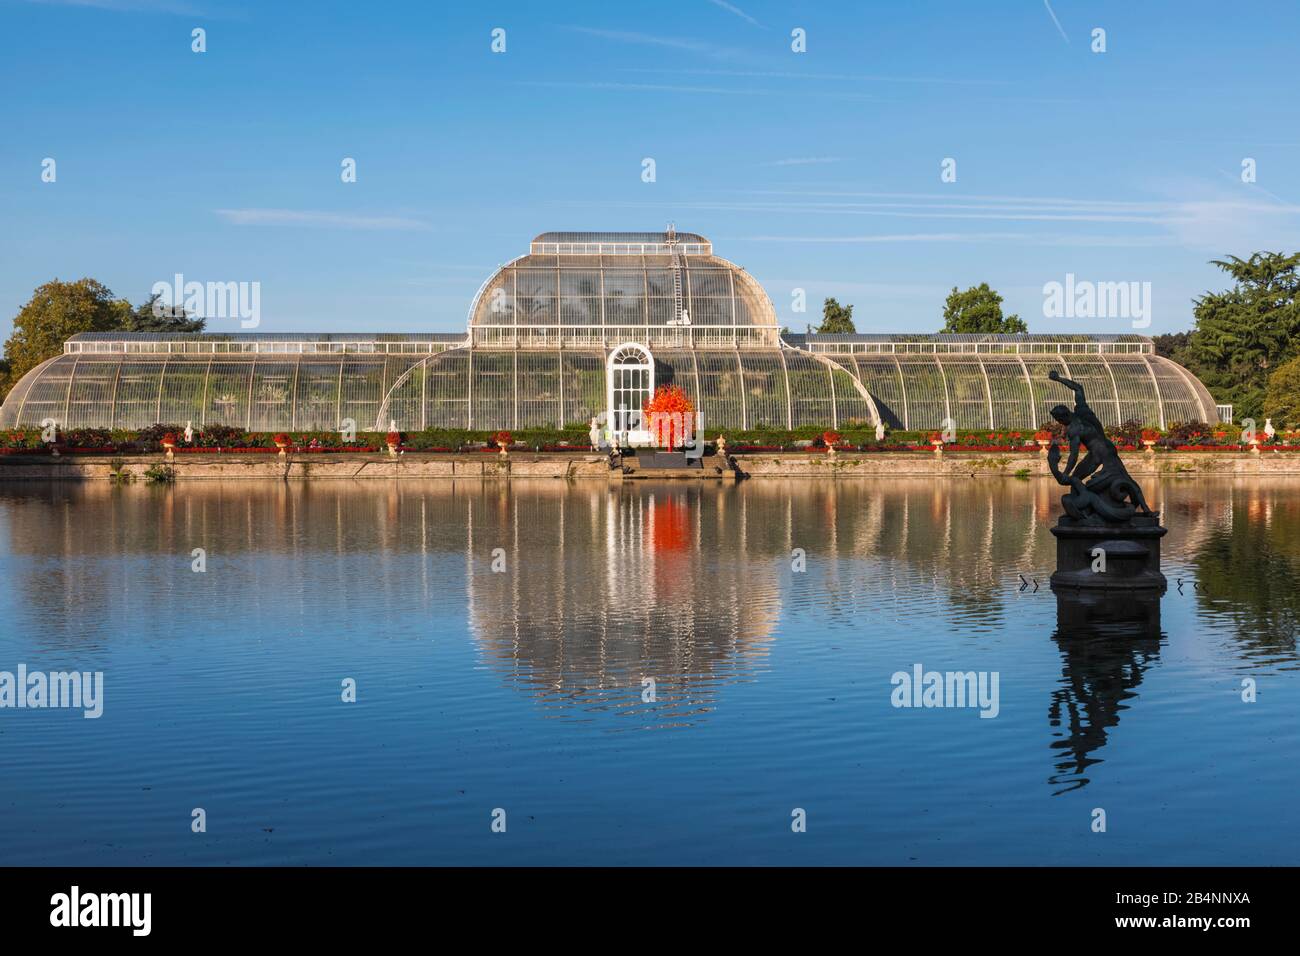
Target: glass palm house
[588,324]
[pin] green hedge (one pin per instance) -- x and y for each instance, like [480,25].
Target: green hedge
[224,436]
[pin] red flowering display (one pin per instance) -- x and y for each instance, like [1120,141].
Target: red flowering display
[670,416]
[169,440]
[393,438]
[502,439]
[282,440]
[831,439]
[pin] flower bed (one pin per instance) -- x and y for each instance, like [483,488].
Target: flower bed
[1002,448]
[893,448]
[336,449]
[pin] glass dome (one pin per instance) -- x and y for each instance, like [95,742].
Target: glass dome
[603,288]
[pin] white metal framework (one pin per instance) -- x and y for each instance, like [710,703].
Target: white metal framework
[629,383]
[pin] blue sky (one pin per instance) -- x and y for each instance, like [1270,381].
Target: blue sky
[817,170]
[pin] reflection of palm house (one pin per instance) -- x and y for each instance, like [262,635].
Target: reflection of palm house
[589,323]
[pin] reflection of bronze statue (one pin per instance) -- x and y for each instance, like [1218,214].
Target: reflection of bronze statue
[1112,494]
[1106,648]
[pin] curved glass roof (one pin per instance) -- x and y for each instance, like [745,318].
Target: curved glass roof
[276,343]
[976,391]
[945,342]
[574,286]
[267,337]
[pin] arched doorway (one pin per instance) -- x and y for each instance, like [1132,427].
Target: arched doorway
[629,383]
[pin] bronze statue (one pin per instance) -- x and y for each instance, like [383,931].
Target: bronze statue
[1111,494]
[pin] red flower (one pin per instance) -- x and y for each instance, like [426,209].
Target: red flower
[502,439]
[282,439]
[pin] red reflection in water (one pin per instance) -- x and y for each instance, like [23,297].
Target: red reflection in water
[669,518]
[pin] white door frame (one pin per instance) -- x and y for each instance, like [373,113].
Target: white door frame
[628,357]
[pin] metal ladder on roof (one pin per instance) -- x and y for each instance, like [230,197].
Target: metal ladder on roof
[671,242]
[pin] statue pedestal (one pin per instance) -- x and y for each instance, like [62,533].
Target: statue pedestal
[1132,554]
[1095,613]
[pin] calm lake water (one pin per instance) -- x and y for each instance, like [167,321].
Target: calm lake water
[522,688]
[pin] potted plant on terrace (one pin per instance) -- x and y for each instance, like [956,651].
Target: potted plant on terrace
[169,445]
[282,442]
[502,440]
[831,439]
[392,440]
[1149,438]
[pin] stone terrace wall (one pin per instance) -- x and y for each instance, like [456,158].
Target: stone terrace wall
[534,465]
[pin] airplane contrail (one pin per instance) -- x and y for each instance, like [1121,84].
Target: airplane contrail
[1052,14]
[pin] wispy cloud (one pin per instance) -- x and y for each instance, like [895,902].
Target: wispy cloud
[1021,238]
[128,6]
[1229,217]
[949,211]
[893,237]
[930,197]
[833,77]
[683,44]
[1052,13]
[678,88]
[642,87]
[1193,205]
[327,220]
[1197,216]
[737,11]
[805,161]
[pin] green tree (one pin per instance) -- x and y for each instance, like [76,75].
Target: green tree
[152,316]
[1244,333]
[1172,345]
[836,319]
[56,312]
[978,310]
[1282,396]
